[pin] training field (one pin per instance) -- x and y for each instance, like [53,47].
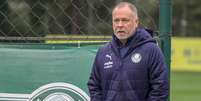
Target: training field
[185,86]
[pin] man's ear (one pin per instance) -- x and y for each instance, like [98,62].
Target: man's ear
[137,22]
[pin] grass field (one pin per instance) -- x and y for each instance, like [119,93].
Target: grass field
[185,86]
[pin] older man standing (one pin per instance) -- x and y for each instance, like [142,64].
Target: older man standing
[131,67]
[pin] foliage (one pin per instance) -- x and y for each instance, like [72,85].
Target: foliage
[40,17]
[186,18]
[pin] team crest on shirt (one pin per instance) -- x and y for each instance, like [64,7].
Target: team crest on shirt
[136,57]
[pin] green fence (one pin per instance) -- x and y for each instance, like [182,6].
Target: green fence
[43,71]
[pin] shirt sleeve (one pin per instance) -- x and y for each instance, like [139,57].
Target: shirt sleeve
[94,83]
[158,75]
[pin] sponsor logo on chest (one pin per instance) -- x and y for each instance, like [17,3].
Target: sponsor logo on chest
[109,63]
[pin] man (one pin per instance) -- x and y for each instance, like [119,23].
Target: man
[131,67]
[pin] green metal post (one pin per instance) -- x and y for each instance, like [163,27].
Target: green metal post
[165,30]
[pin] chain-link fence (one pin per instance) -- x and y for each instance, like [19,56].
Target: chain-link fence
[38,20]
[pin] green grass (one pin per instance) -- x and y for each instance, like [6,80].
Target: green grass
[185,86]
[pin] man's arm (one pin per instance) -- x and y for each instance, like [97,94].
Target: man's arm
[158,75]
[94,83]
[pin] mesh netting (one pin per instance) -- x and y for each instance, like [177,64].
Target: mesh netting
[42,20]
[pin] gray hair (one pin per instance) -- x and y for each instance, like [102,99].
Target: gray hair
[129,5]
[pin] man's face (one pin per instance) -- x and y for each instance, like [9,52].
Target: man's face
[124,23]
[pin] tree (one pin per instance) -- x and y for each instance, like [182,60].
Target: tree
[186,18]
[3,14]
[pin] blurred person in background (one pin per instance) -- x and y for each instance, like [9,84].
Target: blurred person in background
[131,67]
